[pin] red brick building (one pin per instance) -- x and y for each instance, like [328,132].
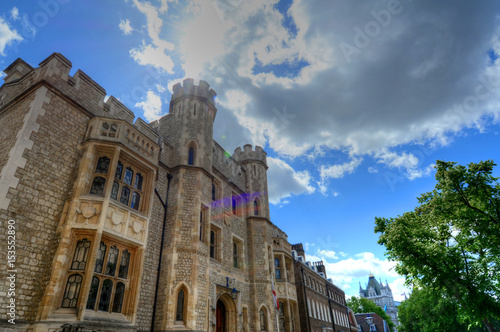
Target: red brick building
[379,324]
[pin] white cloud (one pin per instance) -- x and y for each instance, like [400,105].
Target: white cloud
[328,253]
[14,13]
[125,27]
[372,170]
[151,106]
[285,182]
[154,56]
[399,289]
[338,171]
[7,36]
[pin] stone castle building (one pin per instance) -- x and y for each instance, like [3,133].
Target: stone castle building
[123,225]
[322,305]
[381,294]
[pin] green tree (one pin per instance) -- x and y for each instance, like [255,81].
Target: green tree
[451,242]
[428,311]
[361,305]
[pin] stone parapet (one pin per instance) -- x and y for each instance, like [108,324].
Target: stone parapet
[248,154]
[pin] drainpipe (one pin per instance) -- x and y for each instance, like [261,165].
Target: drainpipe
[330,305]
[305,297]
[164,204]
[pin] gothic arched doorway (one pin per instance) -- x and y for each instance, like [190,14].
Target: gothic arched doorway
[220,317]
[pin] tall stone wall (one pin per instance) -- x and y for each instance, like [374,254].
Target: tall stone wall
[36,204]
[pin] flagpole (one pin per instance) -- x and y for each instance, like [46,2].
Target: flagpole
[277,322]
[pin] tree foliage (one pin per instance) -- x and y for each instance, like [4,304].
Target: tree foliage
[427,311]
[361,305]
[451,242]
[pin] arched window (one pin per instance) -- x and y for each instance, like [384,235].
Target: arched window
[256,208]
[72,291]
[191,156]
[235,255]
[277,268]
[80,256]
[125,196]
[179,315]
[98,186]
[94,288]
[118,300]
[115,190]
[125,260]
[138,181]
[107,288]
[263,320]
[129,174]
[212,244]
[135,201]
[112,260]
[119,170]
[102,165]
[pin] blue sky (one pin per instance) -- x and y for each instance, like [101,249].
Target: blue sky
[353,101]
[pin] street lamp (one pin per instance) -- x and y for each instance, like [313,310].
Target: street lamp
[369,321]
[234,294]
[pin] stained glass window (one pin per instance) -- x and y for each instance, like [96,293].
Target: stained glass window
[129,174]
[135,201]
[102,165]
[115,190]
[138,181]
[119,170]
[98,186]
[125,196]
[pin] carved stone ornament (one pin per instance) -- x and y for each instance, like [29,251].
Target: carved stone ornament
[116,218]
[88,212]
[137,226]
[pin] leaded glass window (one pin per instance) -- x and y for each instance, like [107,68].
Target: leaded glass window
[255,208]
[119,170]
[124,262]
[138,181]
[100,258]
[104,300]
[263,320]
[72,291]
[119,295]
[179,316]
[112,259]
[129,174]
[136,197]
[94,288]
[115,190]
[102,165]
[80,256]
[98,186]
[125,196]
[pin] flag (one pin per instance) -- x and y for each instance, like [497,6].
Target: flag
[385,308]
[275,297]
[404,294]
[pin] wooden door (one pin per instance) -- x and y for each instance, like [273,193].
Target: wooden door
[220,317]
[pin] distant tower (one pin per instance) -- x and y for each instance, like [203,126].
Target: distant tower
[381,295]
[299,248]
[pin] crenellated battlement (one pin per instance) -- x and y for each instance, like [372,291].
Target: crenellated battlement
[248,154]
[188,88]
[80,87]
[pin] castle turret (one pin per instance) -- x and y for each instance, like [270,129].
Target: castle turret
[189,124]
[255,164]
[299,248]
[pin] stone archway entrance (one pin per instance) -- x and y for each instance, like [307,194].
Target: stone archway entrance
[220,317]
[225,314]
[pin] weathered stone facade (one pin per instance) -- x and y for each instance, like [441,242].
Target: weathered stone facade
[322,305]
[128,226]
